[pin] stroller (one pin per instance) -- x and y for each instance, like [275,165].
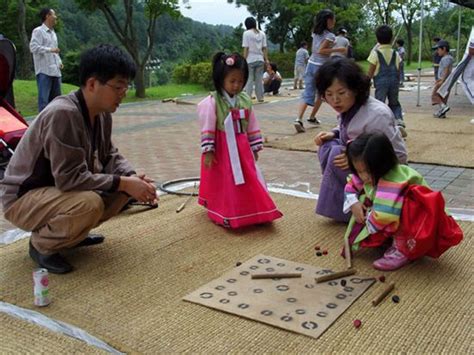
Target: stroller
[12,124]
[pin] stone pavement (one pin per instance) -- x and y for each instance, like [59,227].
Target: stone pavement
[162,139]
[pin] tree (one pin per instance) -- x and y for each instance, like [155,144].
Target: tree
[410,10]
[124,26]
[261,9]
[24,62]
[383,10]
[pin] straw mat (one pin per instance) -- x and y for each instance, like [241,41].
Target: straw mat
[128,291]
[20,337]
[430,140]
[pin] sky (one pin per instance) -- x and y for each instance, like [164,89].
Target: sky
[215,12]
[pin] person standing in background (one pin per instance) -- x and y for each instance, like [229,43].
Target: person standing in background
[401,53]
[436,57]
[254,43]
[301,59]
[341,42]
[47,62]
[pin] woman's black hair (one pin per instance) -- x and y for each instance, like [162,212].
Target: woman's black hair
[250,23]
[223,63]
[321,21]
[376,151]
[347,72]
[104,63]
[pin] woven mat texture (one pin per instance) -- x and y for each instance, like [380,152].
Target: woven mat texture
[128,291]
[20,337]
[430,140]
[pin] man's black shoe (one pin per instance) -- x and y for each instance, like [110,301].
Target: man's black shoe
[92,239]
[55,263]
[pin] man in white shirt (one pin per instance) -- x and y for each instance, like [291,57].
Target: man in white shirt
[48,64]
[340,42]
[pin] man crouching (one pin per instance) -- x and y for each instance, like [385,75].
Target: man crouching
[66,177]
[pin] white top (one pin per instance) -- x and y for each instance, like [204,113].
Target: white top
[43,39]
[255,42]
[340,42]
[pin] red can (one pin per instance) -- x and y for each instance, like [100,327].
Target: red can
[40,287]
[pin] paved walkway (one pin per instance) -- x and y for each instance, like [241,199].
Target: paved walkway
[162,139]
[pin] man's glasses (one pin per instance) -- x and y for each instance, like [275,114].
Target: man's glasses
[119,89]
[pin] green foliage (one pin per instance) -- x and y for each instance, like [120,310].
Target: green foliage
[285,63]
[201,73]
[70,71]
[181,73]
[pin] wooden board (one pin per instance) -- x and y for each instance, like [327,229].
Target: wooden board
[295,304]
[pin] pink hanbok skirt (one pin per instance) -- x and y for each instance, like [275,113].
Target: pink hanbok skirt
[234,205]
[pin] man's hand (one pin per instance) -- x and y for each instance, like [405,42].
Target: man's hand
[341,161]
[358,211]
[255,155]
[140,189]
[322,137]
[209,159]
[55,50]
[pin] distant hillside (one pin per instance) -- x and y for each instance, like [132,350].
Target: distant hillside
[177,40]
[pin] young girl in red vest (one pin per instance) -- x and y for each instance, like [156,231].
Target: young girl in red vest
[391,203]
[232,187]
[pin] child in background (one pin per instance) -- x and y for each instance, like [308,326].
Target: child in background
[322,48]
[272,79]
[401,53]
[301,59]
[445,67]
[232,187]
[381,194]
[384,64]
[436,57]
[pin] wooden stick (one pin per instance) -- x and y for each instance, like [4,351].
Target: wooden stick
[336,275]
[347,253]
[276,276]
[385,292]
[181,207]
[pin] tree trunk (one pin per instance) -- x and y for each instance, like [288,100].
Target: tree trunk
[24,61]
[410,40]
[282,47]
[140,81]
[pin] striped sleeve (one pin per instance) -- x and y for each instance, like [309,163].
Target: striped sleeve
[254,134]
[387,207]
[207,121]
[352,191]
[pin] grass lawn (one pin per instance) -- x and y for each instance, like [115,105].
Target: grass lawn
[26,94]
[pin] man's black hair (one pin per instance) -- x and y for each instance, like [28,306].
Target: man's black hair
[321,21]
[400,42]
[347,72]
[104,63]
[377,153]
[250,23]
[44,12]
[303,43]
[384,34]
[221,67]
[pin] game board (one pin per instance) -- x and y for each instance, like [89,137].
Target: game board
[297,304]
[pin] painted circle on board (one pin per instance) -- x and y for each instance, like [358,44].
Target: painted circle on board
[206,295]
[224,301]
[282,288]
[258,290]
[286,318]
[220,287]
[309,325]
[322,314]
[263,261]
[300,311]
[266,312]
[331,305]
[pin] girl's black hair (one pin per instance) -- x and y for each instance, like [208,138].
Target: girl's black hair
[376,151]
[347,72]
[321,21]
[104,63]
[223,63]
[250,23]
[274,66]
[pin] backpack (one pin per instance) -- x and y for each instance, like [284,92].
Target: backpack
[425,228]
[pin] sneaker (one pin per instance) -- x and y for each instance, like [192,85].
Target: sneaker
[313,120]
[391,260]
[443,111]
[299,126]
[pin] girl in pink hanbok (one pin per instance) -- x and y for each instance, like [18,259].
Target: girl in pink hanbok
[232,187]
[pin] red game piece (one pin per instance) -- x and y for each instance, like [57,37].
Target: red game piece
[382,278]
[317,247]
[325,252]
[357,323]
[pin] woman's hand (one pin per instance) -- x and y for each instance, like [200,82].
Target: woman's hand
[322,137]
[341,161]
[358,211]
[209,159]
